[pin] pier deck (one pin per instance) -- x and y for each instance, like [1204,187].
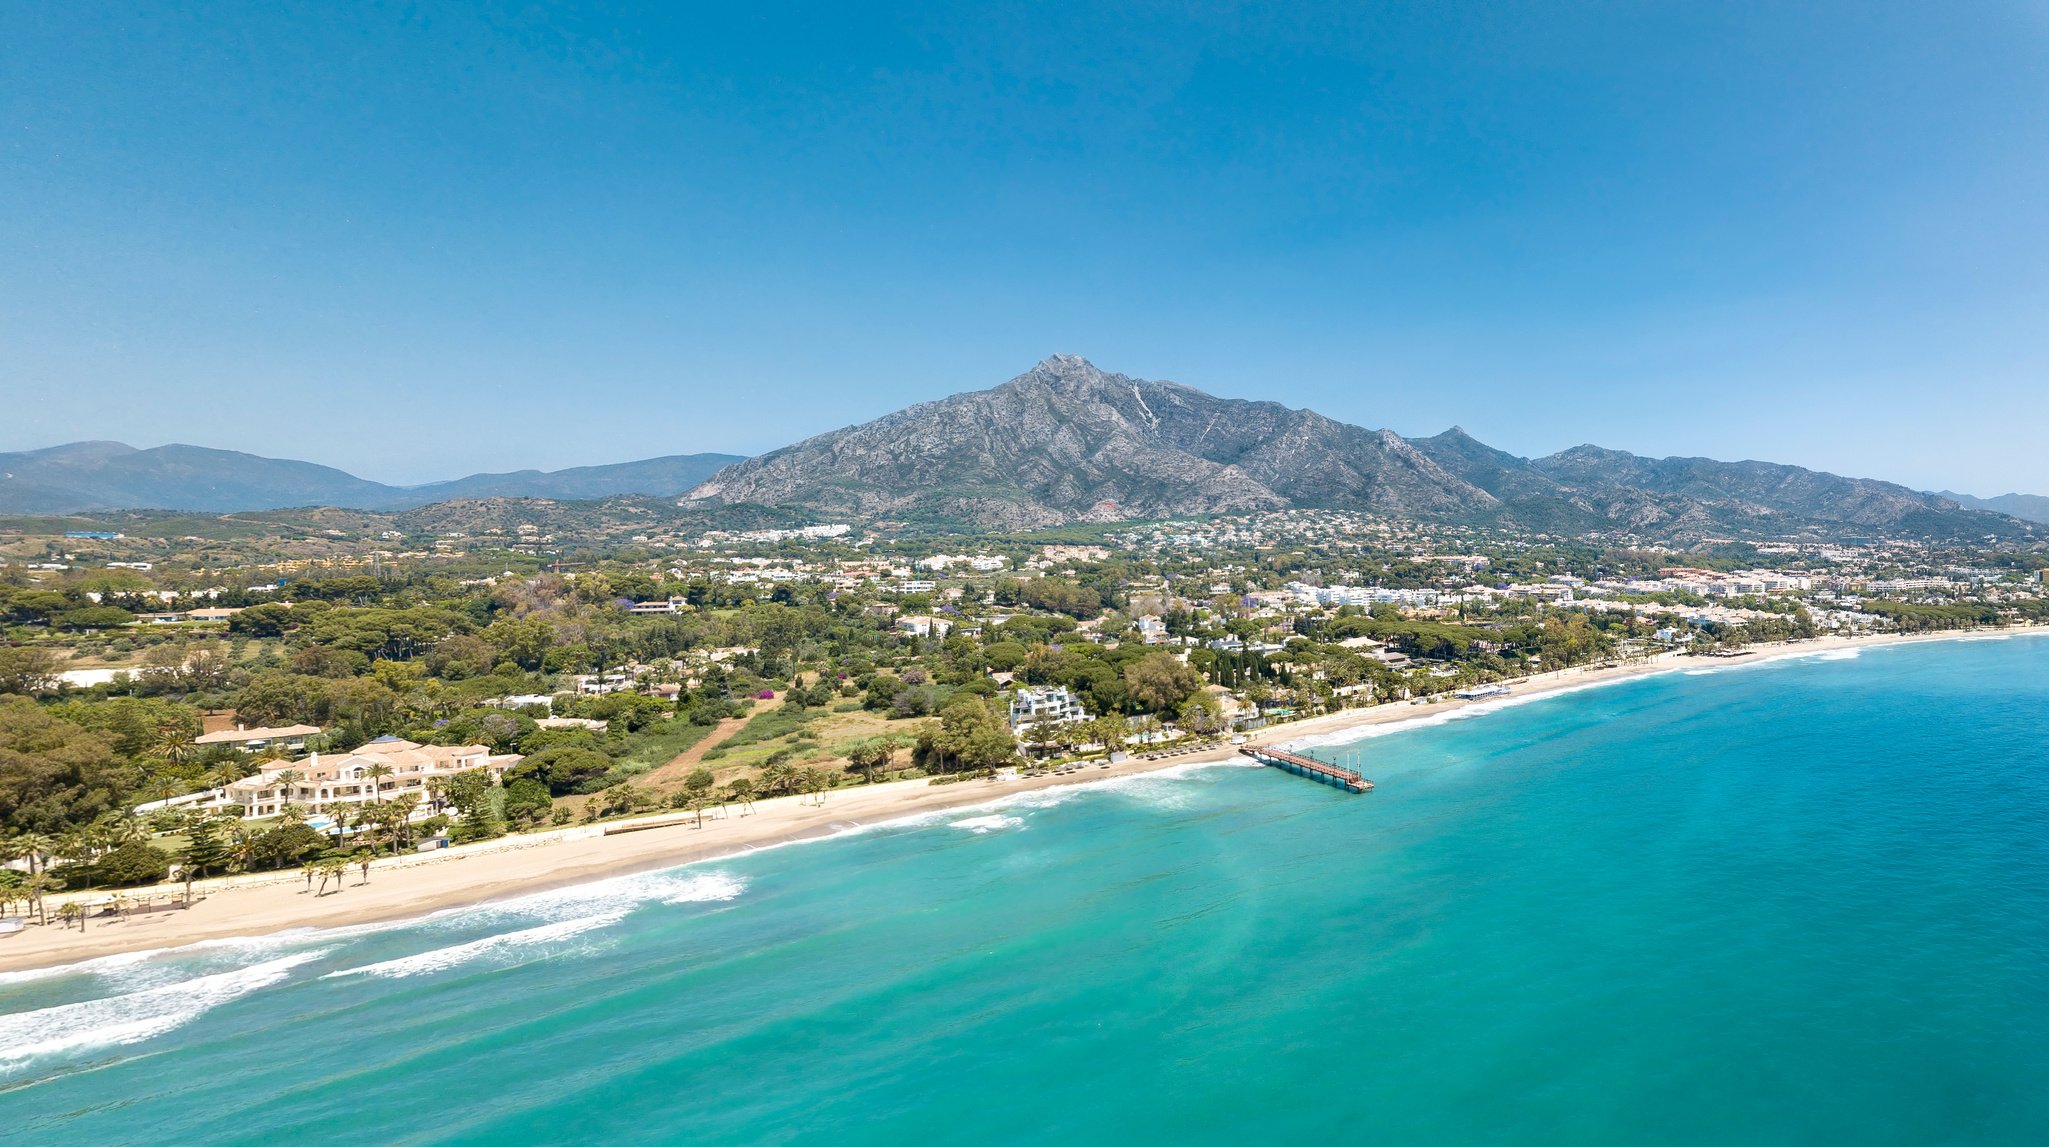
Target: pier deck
[1310,767]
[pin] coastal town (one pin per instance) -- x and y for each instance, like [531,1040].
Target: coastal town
[184,711]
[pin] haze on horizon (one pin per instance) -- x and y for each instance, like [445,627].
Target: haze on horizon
[424,242]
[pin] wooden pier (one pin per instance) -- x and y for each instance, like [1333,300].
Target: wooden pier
[1310,767]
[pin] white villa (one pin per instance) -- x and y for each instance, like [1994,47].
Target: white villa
[344,777]
[921,625]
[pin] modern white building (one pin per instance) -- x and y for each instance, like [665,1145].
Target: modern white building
[1033,706]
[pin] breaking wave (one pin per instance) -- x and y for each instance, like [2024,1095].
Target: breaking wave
[442,959]
[134,1017]
[674,886]
[152,967]
[97,966]
[982,824]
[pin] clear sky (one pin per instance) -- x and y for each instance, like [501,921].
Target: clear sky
[416,241]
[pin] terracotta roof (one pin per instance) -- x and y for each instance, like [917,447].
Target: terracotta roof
[237,736]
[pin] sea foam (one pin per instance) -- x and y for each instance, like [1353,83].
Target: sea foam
[442,959]
[151,967]
[136,1016]
[982,824]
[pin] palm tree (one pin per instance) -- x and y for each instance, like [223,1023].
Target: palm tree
[377,773]
[402,818]
[363,857]
[819,781]
[743,792]
[126,830]
[777,778]
[183,874]
[76,847]
[1110,729]
[242,842]
[285,780]
[345,815]
[865,755]
[35,848]
[38,887]
[1148,728]
[291,814]
[69,911]
[333,868]
[437,793]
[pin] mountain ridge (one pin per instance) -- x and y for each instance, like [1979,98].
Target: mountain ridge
[100,475]
[1066,441]
[2027,507]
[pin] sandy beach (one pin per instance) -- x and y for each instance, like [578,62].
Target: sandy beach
[414,885]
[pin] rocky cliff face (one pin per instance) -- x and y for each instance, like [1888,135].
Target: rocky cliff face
[1068,442]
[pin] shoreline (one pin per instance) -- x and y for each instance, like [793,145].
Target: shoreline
[419,885]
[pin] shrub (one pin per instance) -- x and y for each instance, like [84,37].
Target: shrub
[137,862]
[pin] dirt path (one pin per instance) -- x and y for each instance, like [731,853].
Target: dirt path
[682,763]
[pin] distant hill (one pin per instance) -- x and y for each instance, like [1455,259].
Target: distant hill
[655,477]
[89,476]
[1065,442]
[2032,507]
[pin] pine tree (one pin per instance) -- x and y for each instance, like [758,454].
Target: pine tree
[205,851]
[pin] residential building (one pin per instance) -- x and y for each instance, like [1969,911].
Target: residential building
[670,605]
[292,737]
[921,625]
[1032,706]
[344,778]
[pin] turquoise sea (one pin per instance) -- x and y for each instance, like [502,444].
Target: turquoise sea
[1805,901]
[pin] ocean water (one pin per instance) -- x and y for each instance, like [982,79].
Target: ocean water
[1797,902]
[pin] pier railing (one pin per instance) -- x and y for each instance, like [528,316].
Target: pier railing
[1309,767]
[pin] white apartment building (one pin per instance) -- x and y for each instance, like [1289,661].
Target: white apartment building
[1032,706]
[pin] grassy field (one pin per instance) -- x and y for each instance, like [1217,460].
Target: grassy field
[803,736]
[659,747]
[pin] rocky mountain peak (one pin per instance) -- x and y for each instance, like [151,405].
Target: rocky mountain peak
[1067,441]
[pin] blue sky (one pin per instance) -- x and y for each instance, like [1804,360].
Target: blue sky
[416,241]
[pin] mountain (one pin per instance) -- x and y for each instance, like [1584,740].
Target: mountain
[657,477]
[86,476]
[114,476]
[1065,442]
[2029,507]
